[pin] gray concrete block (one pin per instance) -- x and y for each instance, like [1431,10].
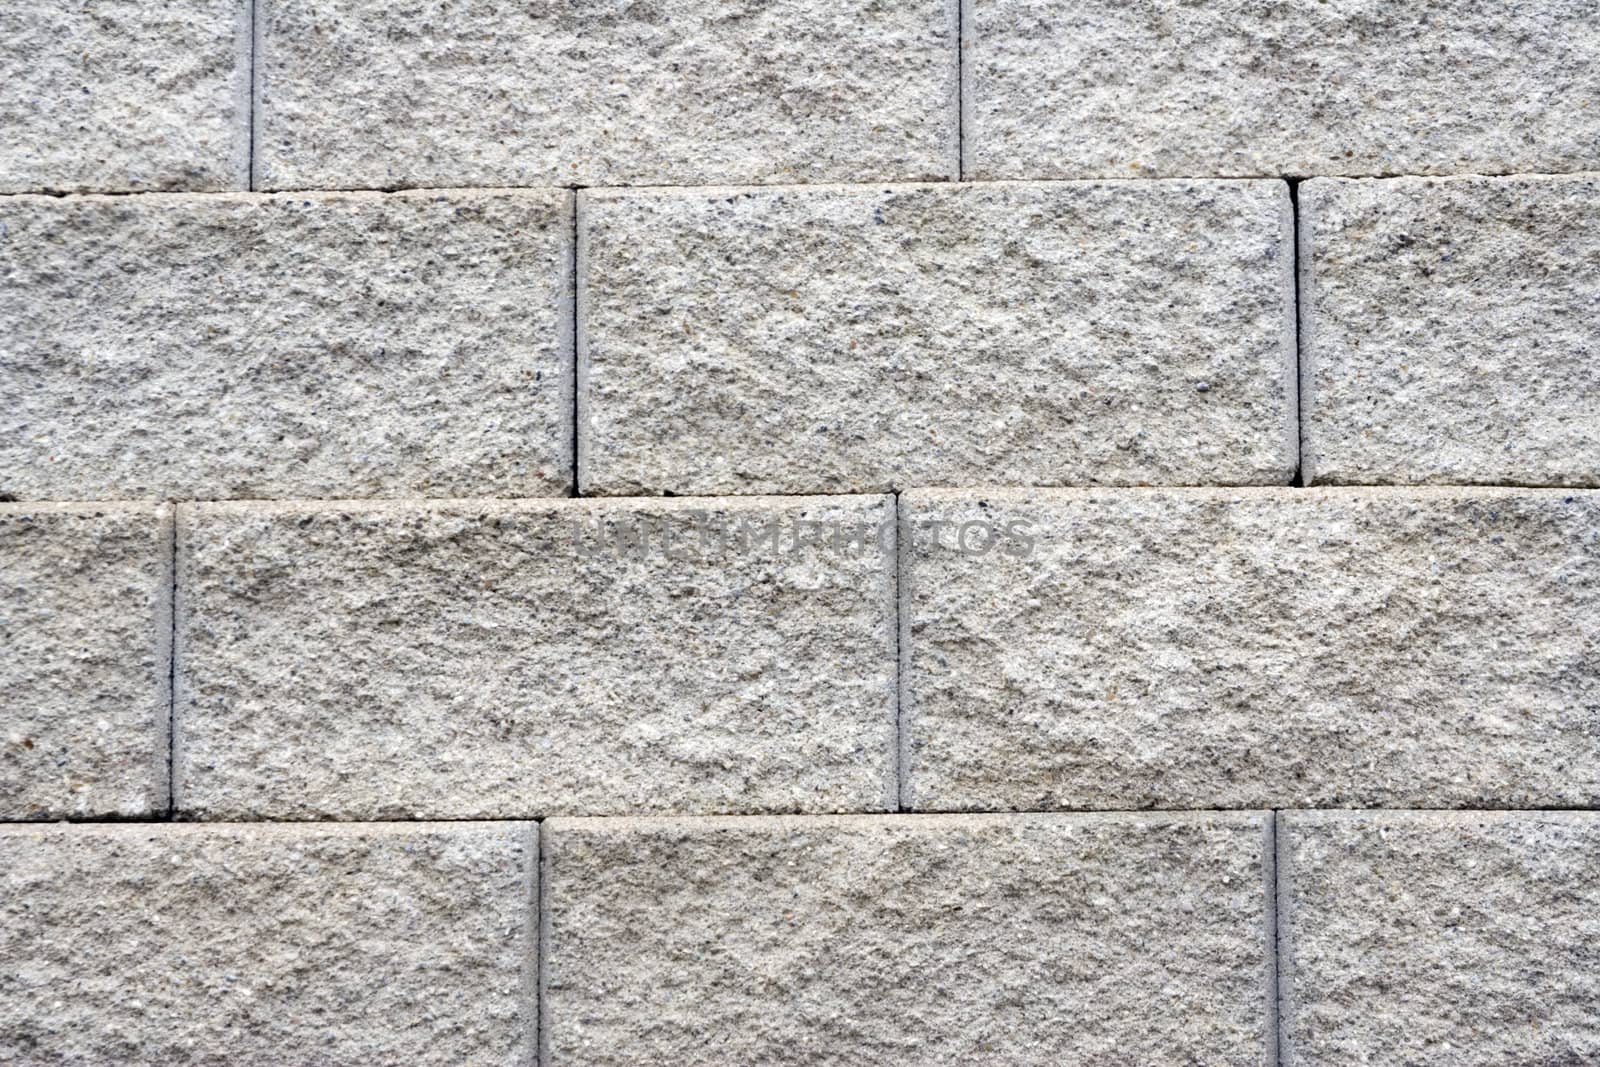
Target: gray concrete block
[1456,939]
[268,945]
[1451,330]
[485,659]
[86,628]
[488,92]
[1251,648]
[1116,940]
[342,345]
[125,95]
[867,338]
[1162,88]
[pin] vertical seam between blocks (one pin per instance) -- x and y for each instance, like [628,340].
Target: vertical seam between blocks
[1274,1050]
[253,92]
[541,954]
[963,12]
[1278,889]
[961,94]
[172,661]
[174,724]
[575,275]
[901,651]
[533,981]
[1298,481]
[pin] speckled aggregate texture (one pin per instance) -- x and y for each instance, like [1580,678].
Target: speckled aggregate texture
[313,346]
[962,650]
[1252,648]
[1434,939]
[124,95]
[494,659]
[1121,940]
[86,629]
[492,92]
[873,338]
[237,946]
[1452,330]
[1145,88]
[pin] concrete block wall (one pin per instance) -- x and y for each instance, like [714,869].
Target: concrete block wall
[1005,532]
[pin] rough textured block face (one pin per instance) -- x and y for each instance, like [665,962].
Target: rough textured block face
[1452,330]
[125,95]
[830,339]
[1251,648]
[489,659]
[1116,940]
[1142,88]
[86,628]
[490,92]
[1439,939]
[267,945]
[247,346]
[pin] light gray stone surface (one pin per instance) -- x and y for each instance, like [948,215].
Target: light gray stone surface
[1252,648]
[124,95]
[1144,88]
[866,338]
[314,346]
[86,634]
[225,946]
[1452,330]
[1462,939]
[1117,940]
[368,93]
[465,660]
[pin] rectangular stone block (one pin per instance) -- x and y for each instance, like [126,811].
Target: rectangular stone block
[1242,648]
[491,92]
[350,344]
[931,940]
[1163,88]
[1451,330]
[486,659]
[125,95]
[861,339]
[269,945]
[86,629]
[1456,939]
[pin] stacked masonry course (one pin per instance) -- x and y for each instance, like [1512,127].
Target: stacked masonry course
[1086,549]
